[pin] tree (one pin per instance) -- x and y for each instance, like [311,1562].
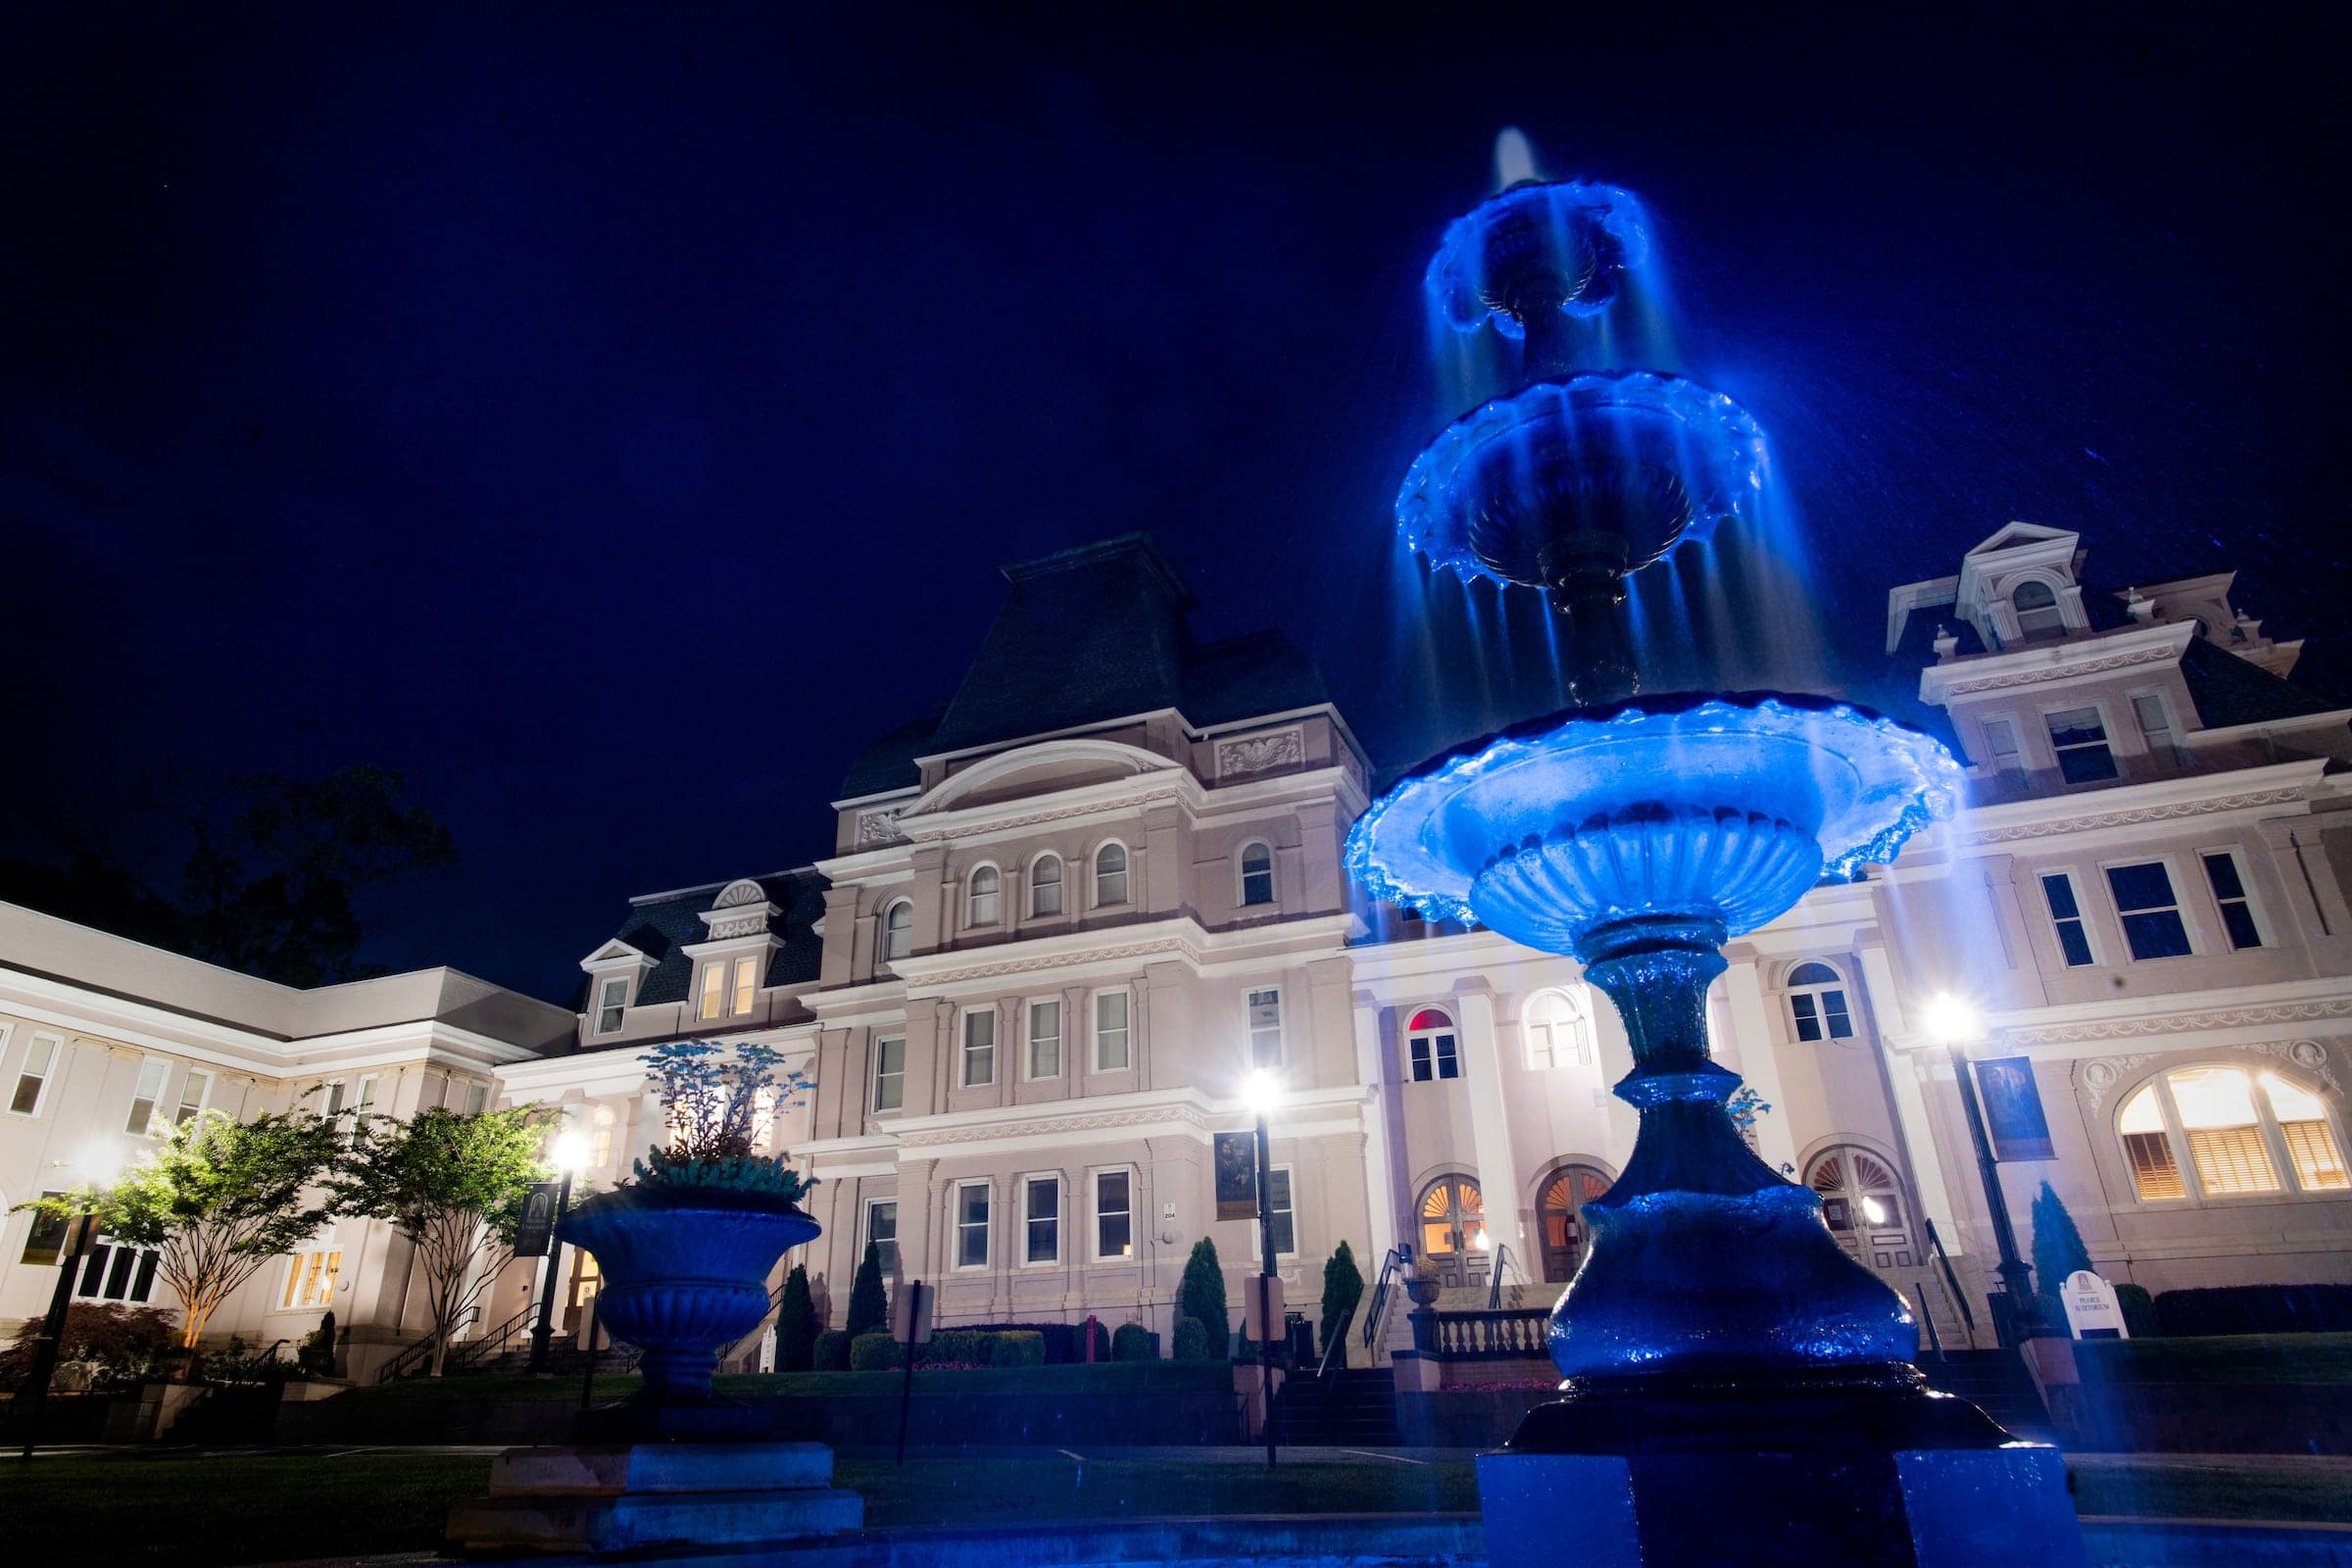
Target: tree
[1342,1288]
[1201,1295]
[870,1304]
[219,1199]
[796,1324]
[2058,1251]
[453,1186]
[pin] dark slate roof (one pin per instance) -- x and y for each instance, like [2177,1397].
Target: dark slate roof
[1087,636]
[2228,690]
[662,927]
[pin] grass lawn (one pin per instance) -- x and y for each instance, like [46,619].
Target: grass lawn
[1104,1376]
[2252,1486]
[2218,1358]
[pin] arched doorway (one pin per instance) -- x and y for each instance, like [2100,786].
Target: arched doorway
[1453,1230]
[1863,1202]
[1560,1219]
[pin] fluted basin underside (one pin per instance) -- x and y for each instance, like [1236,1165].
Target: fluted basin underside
[1534,247]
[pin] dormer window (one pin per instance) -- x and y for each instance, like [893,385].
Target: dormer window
[611,1003]
[1110,876]
[985,901]
[897,931]
[2038,611]
[729,989]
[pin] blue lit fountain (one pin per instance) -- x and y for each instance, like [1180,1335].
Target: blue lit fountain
[1738,1388]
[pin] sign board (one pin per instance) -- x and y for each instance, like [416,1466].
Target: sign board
[2013,1109]
[1236,1175]
[910,1314]
[1261,1300]
[2092,1309]
[538,1226]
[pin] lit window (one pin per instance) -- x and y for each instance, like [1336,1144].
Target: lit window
[2311,1150]
[2230,1134]
[2000,745]
[2225,1134]
[2038,611]
[1266,1028]
[611,1003]
[890,1074]
[1431,1047]
[310,1278]
[33,1077]
[747,985]
[980,1047]
[972,1225]
[983,904]
[2152,923]
[599,1142]
[1041,1215]
[1045,885]
[116,1271]
[2079,738]
[1817,1003]
[1110,876]
[2066,915]
[882,1230]
[1044,1040]
[714,990]
[1278,1212]
[2229,892]
[2149,1149]
[1257,876]
[192,1091]
[1114,1213]
[2156,727]
[150,1089]
[1112,1040]
[1557,1032]
[897,931]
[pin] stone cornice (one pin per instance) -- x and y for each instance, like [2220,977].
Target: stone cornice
[2191,1021]
[2041,663]
[1181,938]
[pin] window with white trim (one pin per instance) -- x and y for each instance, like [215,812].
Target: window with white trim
[2066,918]
[897,931]
[714,991]
[890,1074]
[2001,747]
[477,1098]
[1045,885]
[746,984]
[310,1278]
[611,1003]
[2079,738]
[1558,1032]
[33,1074]
[2155,719]
[366,1098]
[1264,1012]
[1114,1214]
[1045,1039]
[984,896]
[330,1100]
[1041,1220]
[972,1225]
[2238,1130]
[45,1236]
[1282,1217]
[117,1271]
[882,1231]
[1110,876]
[192,1092]
[2227,875]
[1258,874]
[2038,610]
[1114,1035]
[1817,1002]
[149,1089]
[2153,925]
[979,1047]
[1431,1046]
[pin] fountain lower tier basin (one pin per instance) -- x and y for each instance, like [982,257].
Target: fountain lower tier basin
[1588,479]
[1717,811]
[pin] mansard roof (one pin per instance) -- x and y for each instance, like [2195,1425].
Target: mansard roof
[662,925]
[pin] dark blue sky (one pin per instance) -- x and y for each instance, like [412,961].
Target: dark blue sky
[611,424]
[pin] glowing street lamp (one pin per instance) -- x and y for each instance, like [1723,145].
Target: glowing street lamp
[569,1156]
[1955,1021]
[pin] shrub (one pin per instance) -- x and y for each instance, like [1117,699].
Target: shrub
[1016,1350]
[955,1347]
[1343,1289]
[796,1323]
[238,1364]
[2140,1311]
[1192,1340]
[316,1352]
[873,1353]
[113,1346]
[2256,1310]
[1131,1342]
[2058,1253]
[1201,1297]
[870,1304]
[831,1352]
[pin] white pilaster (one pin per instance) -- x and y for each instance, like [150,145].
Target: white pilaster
[1906,1072]
[1490,1122]
[1380,1181]
[1751,1036]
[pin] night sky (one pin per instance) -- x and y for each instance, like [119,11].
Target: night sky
[615,424]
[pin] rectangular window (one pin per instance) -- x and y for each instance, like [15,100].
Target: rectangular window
[2001,748]
[366,1095]
[890,1074]
[1045,886]
[2152,923]
[32,1078]
[45,1237]
[2079,738]
[192,1089]
[1111,1042]
[1114,1213]
[143,1097]
[882,1230]
[1266,1028]
[980,1047]
[2156,727]
[310,1278]
[1277,1210]
[747,985]
[331,1102]
[116,1271]
[2224,1134]
[611,1004]
[2066,915]
[1044,1040]
[1041,1214]
[2229,892]
[477,1099]
[972,1225]
[714,991]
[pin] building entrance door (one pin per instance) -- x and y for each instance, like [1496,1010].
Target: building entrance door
[1560,1219]
[1863,1204]
[1453,1230]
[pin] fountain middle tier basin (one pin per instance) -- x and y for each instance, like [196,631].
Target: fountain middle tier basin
[1716,809]
[1567,483]
[1536,247]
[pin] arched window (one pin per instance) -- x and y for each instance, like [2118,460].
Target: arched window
[1258,874]
[1110,876]
[2036,605]
[897,931]
[1045,885]
[1817,1002]
[2238,1130]
[1558,1032]
[1560,1219]
[1432,1046]
[985,905]
[1863,1204]
[1453,1228]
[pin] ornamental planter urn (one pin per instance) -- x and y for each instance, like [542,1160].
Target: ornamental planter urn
[685,1274]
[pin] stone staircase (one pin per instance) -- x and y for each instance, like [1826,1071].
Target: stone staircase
[1996,1382]
[565,1358]
[1346,1408]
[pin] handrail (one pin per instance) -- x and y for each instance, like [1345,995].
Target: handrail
[472,1352]
[1968,1319]
[775,1305]
[1397,1257]
[1502,1260]
[1336,1338]
[394,1370]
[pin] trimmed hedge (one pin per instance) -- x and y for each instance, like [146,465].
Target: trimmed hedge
[1192,1340]
[2140,1311]
[2256,1309]
[873,1353]
[965,1348]
[832,1354]
[1016,1350]
[1131,1342]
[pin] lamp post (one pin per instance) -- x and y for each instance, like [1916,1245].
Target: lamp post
[571,1156]
[1263,1091]
[96,1166]
[1954,1022]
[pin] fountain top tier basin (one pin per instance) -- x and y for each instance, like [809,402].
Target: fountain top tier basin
[1720,810]
[1571,485]
[1536,247]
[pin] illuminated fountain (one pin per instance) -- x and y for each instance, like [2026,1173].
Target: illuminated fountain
[1740,1390]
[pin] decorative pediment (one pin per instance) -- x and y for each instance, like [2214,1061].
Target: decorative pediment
[617,954]
[741,909]
[1047,768]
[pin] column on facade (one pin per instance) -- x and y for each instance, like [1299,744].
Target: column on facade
[1078,1037]
[1383,1177]
[1489,1119]
[1906,1073]
[1751,1034]
[916,1209]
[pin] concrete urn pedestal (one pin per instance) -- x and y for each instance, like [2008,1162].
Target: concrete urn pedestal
[644,1496]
